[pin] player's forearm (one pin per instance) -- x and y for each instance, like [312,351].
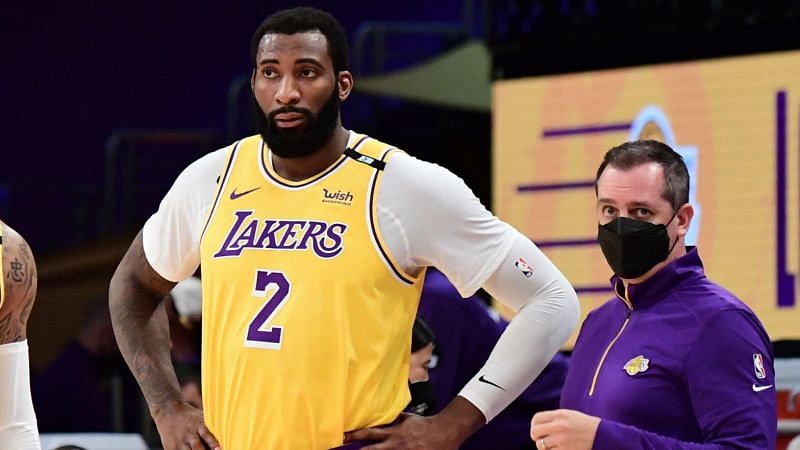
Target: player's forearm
[548,313]
[616,435]
[459,420]
[520,355]
[141,327]
[142,334]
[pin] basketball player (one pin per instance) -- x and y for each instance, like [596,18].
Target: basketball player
[18,429]
[313,242]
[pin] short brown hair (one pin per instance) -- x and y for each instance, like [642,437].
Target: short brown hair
[635,153]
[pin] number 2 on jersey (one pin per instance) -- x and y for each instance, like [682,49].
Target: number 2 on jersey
[276,287]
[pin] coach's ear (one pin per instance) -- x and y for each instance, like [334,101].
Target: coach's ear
[683,219]
[345,80]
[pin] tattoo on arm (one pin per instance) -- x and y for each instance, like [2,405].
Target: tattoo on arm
[17,272]
[20,287]
[140,324]
[8,332]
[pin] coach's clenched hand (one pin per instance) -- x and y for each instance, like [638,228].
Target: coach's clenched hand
[564,429]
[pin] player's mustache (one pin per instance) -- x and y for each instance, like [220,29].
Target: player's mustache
[289,109]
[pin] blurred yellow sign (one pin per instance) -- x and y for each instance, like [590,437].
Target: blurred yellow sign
[734,120]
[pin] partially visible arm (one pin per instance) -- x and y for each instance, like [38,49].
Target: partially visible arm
[140,325]
[18,272]
[728,401]
[732,401]
[566,428]
[527,281]
[19,280]
[615,434]
[447,430]
[135,294]
[164,252]
[430,218]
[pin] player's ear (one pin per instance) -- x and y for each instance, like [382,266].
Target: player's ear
[253,81]
[345,80]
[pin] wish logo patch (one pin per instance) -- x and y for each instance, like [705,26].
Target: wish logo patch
[337,197]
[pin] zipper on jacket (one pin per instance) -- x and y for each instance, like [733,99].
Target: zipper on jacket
[629,305]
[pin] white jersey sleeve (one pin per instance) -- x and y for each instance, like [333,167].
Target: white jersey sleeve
[429,217]
[171,236]
[18,429]
[547,313]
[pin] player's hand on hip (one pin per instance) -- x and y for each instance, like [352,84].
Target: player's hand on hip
[563,429]
[412,432]
[181,427]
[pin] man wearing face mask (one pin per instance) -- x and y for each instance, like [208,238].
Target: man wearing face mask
[423,398]
[674,360]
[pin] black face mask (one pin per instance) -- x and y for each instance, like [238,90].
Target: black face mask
[423,398]
[632,247]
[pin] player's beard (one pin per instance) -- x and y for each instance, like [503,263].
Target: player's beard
[305,139]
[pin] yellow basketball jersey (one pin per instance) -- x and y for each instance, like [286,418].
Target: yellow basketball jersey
[306,319]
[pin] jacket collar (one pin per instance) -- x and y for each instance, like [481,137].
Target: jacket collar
[687,267]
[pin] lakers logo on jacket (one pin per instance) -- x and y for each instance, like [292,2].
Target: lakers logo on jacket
[637,365]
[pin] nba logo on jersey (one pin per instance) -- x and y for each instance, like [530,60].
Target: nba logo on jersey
[758,364]
[524,267]
[365,159]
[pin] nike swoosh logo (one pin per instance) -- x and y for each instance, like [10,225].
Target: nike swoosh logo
[483,379]
[757,388]
[235,195]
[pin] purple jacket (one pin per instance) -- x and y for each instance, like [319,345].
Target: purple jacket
[689,366]
[466,332]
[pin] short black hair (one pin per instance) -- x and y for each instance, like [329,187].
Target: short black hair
[303,19]
[421,335]
[635,153]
